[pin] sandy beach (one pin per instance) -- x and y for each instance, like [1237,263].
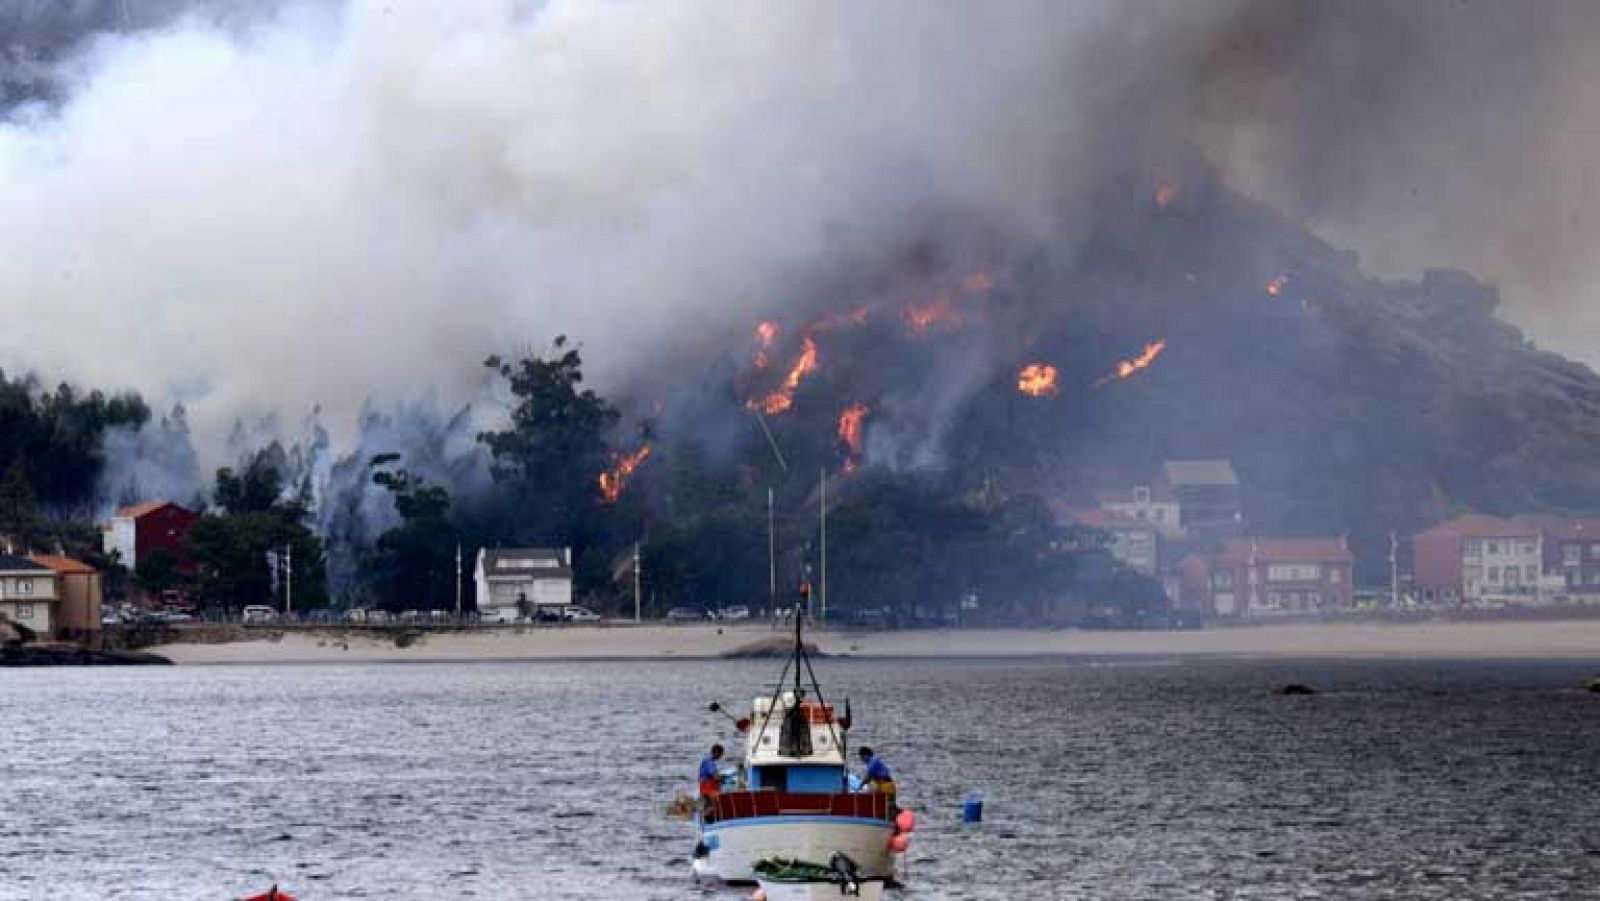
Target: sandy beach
[1432,640]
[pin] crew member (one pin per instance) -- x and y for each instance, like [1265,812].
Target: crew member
[710,779]
[878,777]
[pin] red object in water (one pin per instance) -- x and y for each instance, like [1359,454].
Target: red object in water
[271,894]
[905,821]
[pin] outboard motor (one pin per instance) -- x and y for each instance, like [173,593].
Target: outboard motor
[846,875]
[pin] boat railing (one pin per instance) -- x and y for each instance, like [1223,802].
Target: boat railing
[739,805]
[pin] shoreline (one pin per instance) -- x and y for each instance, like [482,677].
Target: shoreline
[1504,640]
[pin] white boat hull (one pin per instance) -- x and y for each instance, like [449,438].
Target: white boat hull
[871,890]
[735,846]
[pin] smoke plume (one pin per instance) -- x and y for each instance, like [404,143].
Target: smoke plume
[321,203]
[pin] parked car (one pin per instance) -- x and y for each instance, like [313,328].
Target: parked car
[685,614]
[737,611]
[256,613]
[496,615]
[378,617]
[579,615]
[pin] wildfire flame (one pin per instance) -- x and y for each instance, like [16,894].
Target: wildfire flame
[766,333]
[1144,359]
[783,398]
[921,317]
[1037,380]
[1166,193]
[614,480]
[850,422]
[978,283]
[1276,286]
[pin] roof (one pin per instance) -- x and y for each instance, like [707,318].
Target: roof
[1187,473]
[145,509]
[1285,550]
[526,563]
[64,565]
[12,563]
[1563,528]
[1476,525]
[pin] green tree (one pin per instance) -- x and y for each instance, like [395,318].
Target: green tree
[548,458]
[231,548]
[414,563]
[156,571]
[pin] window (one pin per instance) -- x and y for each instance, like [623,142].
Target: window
[1570,554]
[24,586]
[24,611]
[1294,572]
[1494,574]
[1531,573]
[1222,578]
[1160,514]
[1513,577]
[1141,494]
[1594,550]
[1335,575]
[1529,547]
[1494,547]
[1472,548]
[1313,599]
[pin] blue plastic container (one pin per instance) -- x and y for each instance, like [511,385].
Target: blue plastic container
[972,809]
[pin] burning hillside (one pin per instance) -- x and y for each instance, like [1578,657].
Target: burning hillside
[1357,407]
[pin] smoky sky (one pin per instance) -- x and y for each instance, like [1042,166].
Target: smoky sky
[324,203]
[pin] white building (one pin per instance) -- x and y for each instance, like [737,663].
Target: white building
[1154,504]
[27,593]
[515,582]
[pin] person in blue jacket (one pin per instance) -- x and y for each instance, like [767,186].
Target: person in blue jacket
[878,778]
[710,779]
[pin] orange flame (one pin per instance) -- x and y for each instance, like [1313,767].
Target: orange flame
[1128,367]
[978,283]
[783,398]
[1166,193]
[921,317]
[850,432]
[613,481]
[1276,286]
[1037,380]
[766,333]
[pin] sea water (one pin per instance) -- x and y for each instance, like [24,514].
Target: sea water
[1147,779]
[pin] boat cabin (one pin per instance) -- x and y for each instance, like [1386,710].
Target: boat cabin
[794,748]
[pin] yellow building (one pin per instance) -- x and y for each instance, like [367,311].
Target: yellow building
[78,592]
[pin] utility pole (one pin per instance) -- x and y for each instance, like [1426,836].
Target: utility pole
[1394,571]
[822,513]
[458,582]
[637,605]
[772,557]
[288,579]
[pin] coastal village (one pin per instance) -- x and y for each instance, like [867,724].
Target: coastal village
[1188,528]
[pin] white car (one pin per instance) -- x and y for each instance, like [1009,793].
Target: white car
[579,615]
[738,611]
[257,613]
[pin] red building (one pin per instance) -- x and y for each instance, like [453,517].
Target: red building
[1570,555]
[1478,559]
[155,525]
[1266,576]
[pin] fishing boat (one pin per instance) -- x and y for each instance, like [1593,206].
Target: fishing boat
[791,796]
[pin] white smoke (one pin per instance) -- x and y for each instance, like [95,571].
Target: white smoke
[333,205]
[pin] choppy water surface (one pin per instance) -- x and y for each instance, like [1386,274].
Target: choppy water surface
[540,780]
